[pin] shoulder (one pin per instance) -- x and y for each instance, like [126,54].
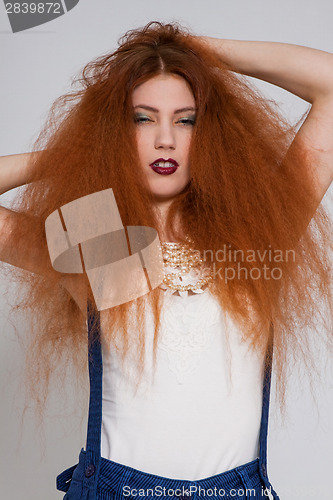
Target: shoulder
[77,288]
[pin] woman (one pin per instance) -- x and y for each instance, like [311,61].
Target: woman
[190,149]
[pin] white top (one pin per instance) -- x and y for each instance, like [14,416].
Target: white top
[200,415]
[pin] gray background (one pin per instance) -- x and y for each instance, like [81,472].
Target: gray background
[36,67]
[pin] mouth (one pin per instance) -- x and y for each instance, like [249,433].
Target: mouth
[164,167]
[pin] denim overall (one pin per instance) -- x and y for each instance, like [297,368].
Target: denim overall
[97,478]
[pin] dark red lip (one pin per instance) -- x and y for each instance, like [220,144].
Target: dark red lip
[171,160]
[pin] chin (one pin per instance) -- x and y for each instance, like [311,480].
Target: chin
[164,195]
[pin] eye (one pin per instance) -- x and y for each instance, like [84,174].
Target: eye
[187,121]
[141,119]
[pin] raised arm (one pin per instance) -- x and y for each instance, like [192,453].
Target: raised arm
[303,71]
[14,172]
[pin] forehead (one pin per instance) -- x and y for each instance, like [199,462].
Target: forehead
[164,92]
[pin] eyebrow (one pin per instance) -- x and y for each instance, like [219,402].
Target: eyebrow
[149,108]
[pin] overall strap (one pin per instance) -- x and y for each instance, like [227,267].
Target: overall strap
[93,444]
[96,380]
[265,414]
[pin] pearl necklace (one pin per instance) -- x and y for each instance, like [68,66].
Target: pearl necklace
[182,258]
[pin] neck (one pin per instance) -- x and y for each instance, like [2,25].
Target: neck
[162,211]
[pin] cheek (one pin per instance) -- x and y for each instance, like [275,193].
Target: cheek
[141,145]
[187,148]
[142,140]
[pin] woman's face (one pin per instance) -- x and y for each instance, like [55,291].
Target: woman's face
[164,112]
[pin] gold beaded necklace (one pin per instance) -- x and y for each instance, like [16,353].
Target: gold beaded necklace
[182,258]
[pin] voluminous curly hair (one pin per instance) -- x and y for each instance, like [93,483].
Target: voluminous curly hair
[249,192]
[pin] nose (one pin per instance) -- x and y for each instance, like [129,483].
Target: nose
[165,137]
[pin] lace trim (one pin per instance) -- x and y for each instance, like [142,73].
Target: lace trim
[186,333]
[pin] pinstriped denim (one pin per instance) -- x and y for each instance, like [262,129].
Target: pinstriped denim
[97,478]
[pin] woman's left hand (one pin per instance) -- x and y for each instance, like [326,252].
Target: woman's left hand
[303,71]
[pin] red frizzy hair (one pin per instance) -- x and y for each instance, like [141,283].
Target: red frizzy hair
[249,191]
